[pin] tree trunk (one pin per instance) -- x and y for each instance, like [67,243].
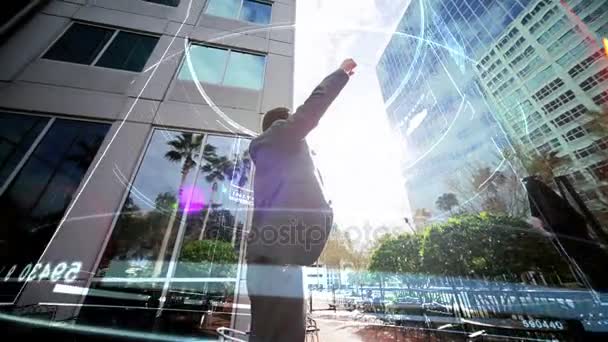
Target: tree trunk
[163,247]
[209,208]
[235,226]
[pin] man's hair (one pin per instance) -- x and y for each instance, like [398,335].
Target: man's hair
[280,113]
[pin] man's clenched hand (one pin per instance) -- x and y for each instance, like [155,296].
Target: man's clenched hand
[349,66]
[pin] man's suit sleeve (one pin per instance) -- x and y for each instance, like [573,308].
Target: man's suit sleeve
[307,116]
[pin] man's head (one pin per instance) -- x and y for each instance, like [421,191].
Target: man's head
[280,113]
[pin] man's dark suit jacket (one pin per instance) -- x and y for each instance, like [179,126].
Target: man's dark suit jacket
[287,193]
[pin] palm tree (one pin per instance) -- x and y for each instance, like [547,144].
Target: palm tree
[185,150]
[219,168]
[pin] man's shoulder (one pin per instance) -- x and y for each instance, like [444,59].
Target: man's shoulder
[270,133]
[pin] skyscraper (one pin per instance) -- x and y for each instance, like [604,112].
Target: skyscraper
[432,97]
[124,176]
[545,74]
[465,81]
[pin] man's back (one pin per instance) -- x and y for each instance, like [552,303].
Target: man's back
[288,198]
[291,220]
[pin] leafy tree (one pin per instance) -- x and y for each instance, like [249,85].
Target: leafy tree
[397,255]
[446,202]
[488,246]
[338,250]
[491,190]
[207,258]
[479,246]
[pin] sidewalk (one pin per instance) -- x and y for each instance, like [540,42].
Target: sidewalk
[355,326]
[352,326]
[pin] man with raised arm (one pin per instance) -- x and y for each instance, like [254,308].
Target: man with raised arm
[292,218]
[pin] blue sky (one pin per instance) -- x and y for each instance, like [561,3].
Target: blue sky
[357,152]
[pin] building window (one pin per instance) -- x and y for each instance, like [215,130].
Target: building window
[553,30]
[601,99]
[17,134]
[582,66]
[246,10]
[104,47]
[558,102]
[179,232]
[594,80]
[569,116]
[575,134]
[545,19]
[578,52]
[552,145]
[593,16]
[541,78]
[224,67]
[544,149]
[53,156]
[548,89]
[173,3]
[597,146]
[203,177]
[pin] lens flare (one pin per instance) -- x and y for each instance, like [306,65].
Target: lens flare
[194,196]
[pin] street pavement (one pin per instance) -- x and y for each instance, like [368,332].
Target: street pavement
[355,326]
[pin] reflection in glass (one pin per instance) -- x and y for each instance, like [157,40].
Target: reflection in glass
[505,90]
[123,305]
[256,12]
[17,134]
[178,175]
[141,243]
[223,67]
[194,309]
[214,231]
[496,91]
[128,51]
[37,198]
[223,8]
[173,3]
[181,207]
[80,44]
[245,71]
[208,63]
[198,308]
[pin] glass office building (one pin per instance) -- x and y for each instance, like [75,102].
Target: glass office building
[125,181]
[547,77]
[468,83]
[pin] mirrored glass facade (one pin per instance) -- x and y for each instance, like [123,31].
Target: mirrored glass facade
[126,187]
[499,109]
